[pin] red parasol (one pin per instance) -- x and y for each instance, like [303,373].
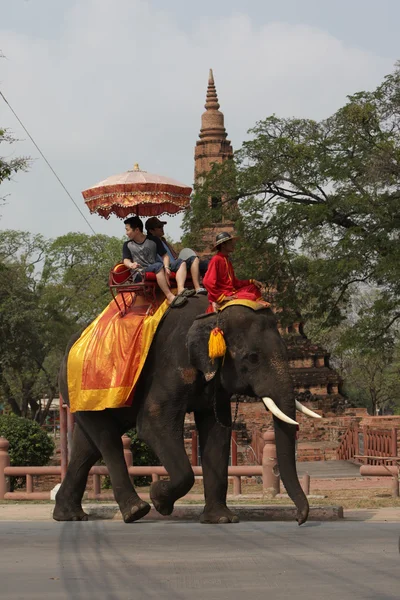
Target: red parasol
[137,192]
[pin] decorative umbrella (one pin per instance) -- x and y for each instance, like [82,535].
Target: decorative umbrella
[137,192]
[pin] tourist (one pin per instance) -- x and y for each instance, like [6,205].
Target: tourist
[139,254]
[155,230]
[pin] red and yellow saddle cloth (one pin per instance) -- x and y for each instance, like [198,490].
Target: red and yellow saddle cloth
[105,362]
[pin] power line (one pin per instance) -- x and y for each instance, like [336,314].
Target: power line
[47,162]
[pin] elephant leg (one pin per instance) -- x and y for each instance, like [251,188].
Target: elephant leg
[84,455]
[105,433]
[166,439]
[214,448]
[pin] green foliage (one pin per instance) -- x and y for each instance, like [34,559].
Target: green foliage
[371,372]
[319,209]
[75,274]
[11,166]
[48,290]
[29,443]
[219,184]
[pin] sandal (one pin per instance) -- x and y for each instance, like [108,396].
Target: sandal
[201,290]
[186,293]
[178,301]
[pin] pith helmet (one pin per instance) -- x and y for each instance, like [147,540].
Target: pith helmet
[222,237]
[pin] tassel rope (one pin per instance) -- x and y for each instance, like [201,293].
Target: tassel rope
[216,343]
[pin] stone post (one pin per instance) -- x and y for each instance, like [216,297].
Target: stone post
[356,439]
[395,486]
[394,442]
[96,485]
[237,485]
[270,473]
[4,462]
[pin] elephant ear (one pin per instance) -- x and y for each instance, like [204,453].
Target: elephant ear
[197,343]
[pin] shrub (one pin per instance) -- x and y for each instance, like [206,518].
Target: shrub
[29,443]
[143,455]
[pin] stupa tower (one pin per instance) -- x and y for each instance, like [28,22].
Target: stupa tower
[212,147]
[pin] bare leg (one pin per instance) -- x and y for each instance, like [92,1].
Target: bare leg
[162,282]
[181,277]
[214,446]
[195,273]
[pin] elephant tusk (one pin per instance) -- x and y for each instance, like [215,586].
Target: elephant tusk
[270,404]
[307,411]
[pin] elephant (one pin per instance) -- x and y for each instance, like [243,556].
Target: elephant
[178,378]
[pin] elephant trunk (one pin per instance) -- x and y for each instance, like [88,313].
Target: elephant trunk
[285,437]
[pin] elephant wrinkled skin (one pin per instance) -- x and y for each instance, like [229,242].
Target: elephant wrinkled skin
[178,378]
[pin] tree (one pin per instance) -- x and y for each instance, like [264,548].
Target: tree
[326,196]
[22,323]
[48,291]
[75,274]
[372,379]
[10,166]
[371,373]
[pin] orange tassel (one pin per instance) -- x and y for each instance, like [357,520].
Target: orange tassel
[216,343]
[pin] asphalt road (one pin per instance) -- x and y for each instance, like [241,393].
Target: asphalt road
[248,561]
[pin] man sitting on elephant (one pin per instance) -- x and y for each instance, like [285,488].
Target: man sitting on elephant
[220,280]
[155,231]
[139,253]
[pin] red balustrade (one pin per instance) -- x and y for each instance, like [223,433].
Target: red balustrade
[364,444]
[266,467]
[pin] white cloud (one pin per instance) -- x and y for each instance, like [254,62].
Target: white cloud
[123,84]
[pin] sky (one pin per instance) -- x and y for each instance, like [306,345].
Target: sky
[103,84]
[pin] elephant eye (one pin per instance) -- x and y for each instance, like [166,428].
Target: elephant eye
[252,358]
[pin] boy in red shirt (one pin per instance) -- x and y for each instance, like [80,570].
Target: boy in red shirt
[220,280]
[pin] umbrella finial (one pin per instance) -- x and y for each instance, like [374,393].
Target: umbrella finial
[212,98]
[136,167]
[212,121]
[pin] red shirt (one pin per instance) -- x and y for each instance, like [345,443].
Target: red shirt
[220,280]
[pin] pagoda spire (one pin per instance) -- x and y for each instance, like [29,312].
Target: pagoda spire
[211,98]
[212,120]
[213,145]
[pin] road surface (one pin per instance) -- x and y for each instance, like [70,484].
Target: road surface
[108,560]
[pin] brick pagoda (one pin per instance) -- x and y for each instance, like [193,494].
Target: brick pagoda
[212,147]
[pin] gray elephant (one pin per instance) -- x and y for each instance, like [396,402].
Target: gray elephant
[178,378]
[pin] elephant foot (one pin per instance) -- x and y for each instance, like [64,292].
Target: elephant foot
[69,513]
[302,515]
[159,494]
[135,510]
[218,514]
